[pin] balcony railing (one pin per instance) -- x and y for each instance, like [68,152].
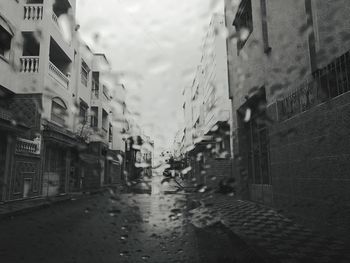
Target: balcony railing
[27,146]
[326,83]
[106,93]
[33,12]
[58,75]
[104,133]
[29,64]
[55,19]
[84,80]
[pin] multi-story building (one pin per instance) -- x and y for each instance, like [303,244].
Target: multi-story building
[139,150]
[289,79]
[55,104]
[187,110]
[178,145]
[207,109]
[38,42]
[118,127]
[147,151]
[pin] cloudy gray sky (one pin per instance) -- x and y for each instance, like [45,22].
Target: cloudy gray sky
[156,44]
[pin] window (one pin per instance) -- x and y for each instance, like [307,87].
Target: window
[31,46]
[61,7]
[83,108]
[110,138]
[243,22]
[105,123]
[58,111]
[94,117]
[84,73]
[95,85]
[34,1]
[105,92]
[5,43]
[264,25]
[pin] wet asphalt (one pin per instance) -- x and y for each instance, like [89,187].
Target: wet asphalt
[115,227]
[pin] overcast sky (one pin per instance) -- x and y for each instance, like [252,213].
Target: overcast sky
[157,45]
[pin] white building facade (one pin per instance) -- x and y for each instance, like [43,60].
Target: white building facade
[55,105]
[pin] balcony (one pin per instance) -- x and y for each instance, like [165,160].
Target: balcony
[106,92]
[100,134]
[104,132]
[55,19]
[33,12]
[27,146]
[60,64]
[60,9]
[58,75]
[29,64]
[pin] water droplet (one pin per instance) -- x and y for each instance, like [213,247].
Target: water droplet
[248,115]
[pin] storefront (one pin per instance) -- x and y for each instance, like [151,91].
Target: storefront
[58,146]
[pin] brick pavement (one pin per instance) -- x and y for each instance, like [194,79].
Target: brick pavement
[277,235]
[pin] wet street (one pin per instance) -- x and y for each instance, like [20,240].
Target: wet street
[108,227]
[102,228]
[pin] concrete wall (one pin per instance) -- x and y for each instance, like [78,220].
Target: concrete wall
[310,163]
[308,152]
[118,119]
[332,27]
[188,117]
[82,92]
[216,103]
[41,82]
[9,19]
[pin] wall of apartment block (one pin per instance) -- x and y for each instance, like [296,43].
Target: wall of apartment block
[216,170]
[310,164]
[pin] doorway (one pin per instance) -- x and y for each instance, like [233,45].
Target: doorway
[255,142]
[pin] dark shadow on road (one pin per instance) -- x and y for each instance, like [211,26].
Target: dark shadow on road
[217,244]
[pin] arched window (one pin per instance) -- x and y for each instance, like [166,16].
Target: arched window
[58,111]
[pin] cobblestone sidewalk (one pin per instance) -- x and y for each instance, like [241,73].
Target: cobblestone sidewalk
[275,234]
